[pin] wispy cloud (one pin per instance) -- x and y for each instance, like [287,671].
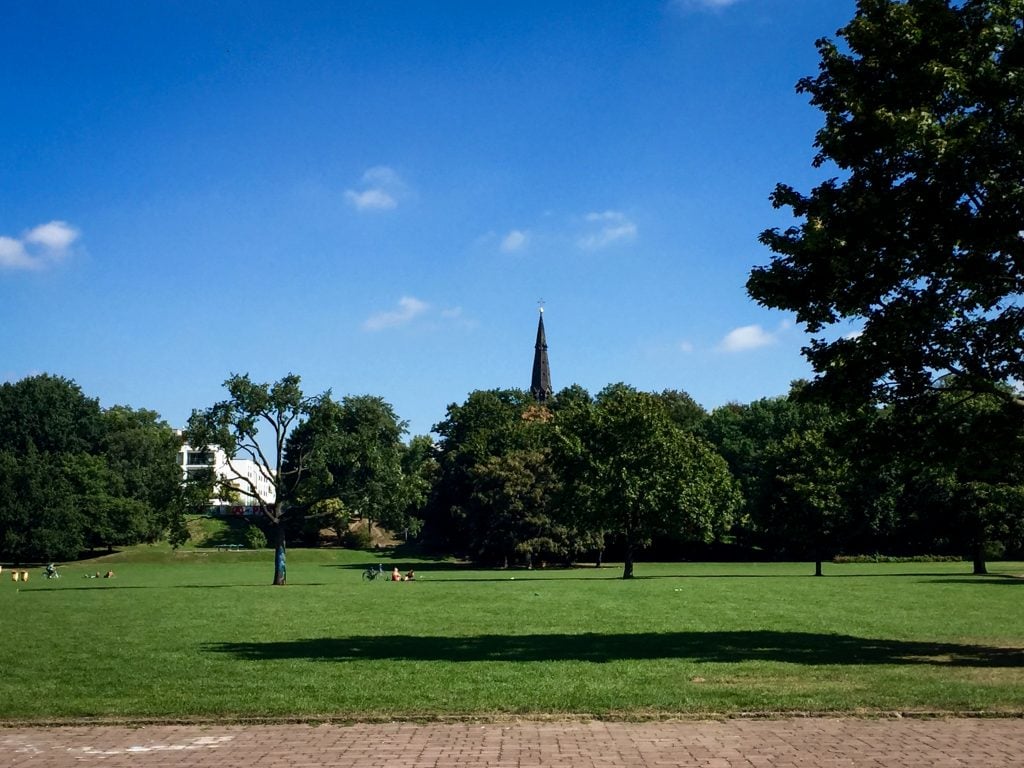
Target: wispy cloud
[514,241]
[701,5]
[686,346]
[380,190]
[747,337]
[606,228]
[38,247]
[409,308]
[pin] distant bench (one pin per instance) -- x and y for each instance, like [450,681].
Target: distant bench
[231,547]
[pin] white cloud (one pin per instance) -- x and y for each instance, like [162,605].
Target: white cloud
[606,228]
[14,256]
[380,190]
[747,337]
[38,247]
[371,200]
[408,309]
[686,346]
[57,235]
[452,313]
[514,241]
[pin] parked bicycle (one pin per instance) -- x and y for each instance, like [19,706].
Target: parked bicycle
[372,572]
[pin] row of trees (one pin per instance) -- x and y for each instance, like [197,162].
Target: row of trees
[512,482]
[74,476]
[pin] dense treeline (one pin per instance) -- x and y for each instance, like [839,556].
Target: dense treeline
[74,476]
[511,482]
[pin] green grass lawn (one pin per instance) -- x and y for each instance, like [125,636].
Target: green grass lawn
[201,633]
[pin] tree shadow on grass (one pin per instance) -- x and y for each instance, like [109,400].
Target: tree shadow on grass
[996,579]
[722,647]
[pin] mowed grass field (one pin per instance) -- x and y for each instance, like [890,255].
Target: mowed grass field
[202,634]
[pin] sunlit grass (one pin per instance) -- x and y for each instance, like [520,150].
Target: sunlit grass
[203,634]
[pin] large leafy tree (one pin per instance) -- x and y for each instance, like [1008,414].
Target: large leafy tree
[254,423]
[498,494]
[965,479]
[358,448]
[80,476]
[484,426]
[51,413]
[917,239]
[632,470]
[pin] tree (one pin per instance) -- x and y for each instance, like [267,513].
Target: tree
[87,477]
[235,425]
[141,451]
[633,471]
[358,463]
[50,413]
[967,472]
[918,238]
[420,467]
[485,425]
[808,485]
[40,516]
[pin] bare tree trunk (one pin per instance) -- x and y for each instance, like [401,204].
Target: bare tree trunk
[280,571]
[627,566]
[980,568]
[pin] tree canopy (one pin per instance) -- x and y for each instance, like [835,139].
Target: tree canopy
[916,243]
[632,470]
[254,423]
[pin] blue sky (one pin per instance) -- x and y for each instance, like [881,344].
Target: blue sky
[375,194]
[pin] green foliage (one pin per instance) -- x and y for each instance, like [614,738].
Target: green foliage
[917,240]
[634,471]
[80,477]
[49,413]
[362,456]
[358,537]
[270,410]
[497,496]
[895,559]
[255,538]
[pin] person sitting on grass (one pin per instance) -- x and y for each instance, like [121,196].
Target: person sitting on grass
[410,575]
[395,575]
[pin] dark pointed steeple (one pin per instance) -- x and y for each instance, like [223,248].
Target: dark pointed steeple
[540,386]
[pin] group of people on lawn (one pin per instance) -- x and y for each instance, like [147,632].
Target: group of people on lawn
[396,576]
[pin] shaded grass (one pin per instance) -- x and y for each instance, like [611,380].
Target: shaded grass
[201,634]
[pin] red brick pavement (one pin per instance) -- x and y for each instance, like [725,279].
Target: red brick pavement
[786,743]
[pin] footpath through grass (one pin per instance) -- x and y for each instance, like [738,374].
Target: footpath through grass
[202,634]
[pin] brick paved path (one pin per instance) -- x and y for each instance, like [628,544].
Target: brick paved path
[794,743]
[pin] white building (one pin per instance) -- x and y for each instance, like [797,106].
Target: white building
[243,475]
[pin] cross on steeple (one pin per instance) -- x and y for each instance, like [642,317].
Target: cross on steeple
[540,385]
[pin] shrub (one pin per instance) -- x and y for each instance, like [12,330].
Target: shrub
[876,558]
[255,538]
[358,537]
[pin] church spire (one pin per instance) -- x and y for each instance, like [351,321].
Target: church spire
[540,386]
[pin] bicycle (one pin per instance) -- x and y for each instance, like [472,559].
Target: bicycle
[372,573]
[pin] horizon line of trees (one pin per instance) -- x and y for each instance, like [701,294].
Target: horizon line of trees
[510,482]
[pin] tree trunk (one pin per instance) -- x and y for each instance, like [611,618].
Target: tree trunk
[980,568]
[627,566]
[600,558]
[280,571]
[817,566]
